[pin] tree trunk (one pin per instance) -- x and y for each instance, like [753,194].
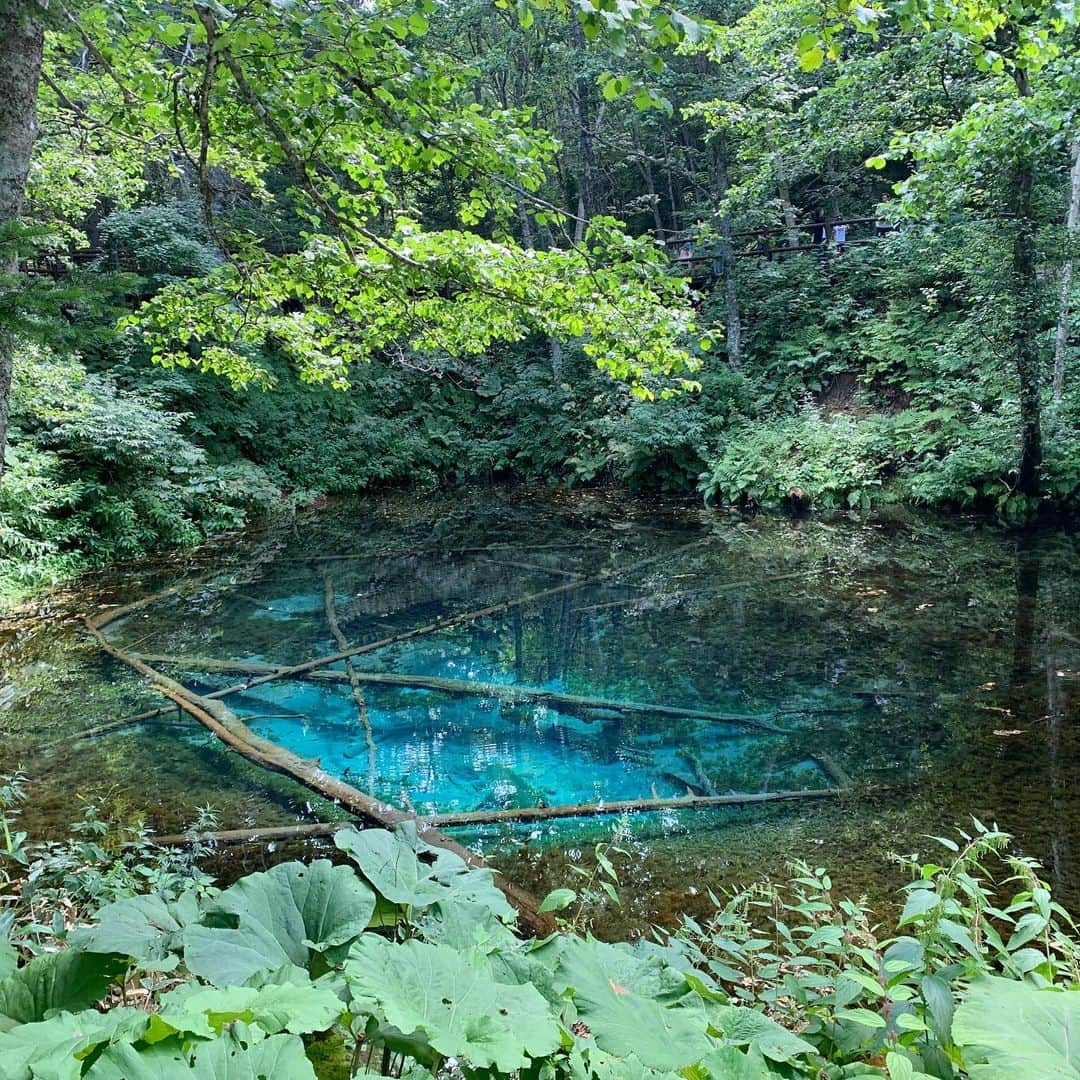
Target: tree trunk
[727,260]
[1072,233]
[1026,315]
[21,45]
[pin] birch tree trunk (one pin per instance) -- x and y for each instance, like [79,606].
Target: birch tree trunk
[21,45]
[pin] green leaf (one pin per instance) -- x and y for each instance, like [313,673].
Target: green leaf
[9,959]
[236,1056]
[54,1049]
[727,1063]
[558,899]
[743,1026]
[861,1016]
[918,903]
[146,928]
[276,919]
[1011,1029]
[622,1021]
[296,1008]
[451,1001]
[812,59]
[391,861]
[66,981]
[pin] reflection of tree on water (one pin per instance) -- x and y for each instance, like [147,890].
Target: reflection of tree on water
[1028,565]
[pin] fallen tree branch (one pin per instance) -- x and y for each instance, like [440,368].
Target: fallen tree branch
[351,673]
[532,568]
[311,830]
[585,707]
[303,831]
[625,806]
[103,619]
[686,594]
[234,733]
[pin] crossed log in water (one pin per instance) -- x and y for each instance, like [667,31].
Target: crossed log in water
[226,725]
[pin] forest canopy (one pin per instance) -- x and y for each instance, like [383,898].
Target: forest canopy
[791,251]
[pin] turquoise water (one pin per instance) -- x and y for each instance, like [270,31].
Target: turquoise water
[935,664]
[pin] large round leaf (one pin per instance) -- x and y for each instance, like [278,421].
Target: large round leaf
[232,1057]
[604,982]
[450,999]
[1008,1030]
[278,919]
[405,870]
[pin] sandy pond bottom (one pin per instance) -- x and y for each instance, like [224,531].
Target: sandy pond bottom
[936,664]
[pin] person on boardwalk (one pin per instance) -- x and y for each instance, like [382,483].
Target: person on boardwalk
[817,230]
[839,233]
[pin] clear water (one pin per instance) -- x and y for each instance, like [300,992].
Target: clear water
[934,663]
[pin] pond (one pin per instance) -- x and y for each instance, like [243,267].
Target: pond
[888,676]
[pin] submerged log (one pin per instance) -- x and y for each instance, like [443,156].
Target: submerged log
[705,591]
[234,733]
[103,619]
[586,707]
[351,674]
[304,831]
[310,830]
[833,769]
[624,806]
[533,568]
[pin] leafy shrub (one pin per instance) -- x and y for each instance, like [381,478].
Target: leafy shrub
[408,957]
[103,473]
[839,461]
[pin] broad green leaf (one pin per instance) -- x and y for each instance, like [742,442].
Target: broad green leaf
[9,959]
[296,1008]
[145,928]
[742,1026]
[727,1063]
[66,981]
[452,1001]
[276,919]
[861,1016]
[236,1056]
[918,903]
[1008,1030]
[54,1049]
[405,870]
[624,1022]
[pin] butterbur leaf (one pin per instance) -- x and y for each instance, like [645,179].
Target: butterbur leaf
[145,928]
[727,1063]
[1009,1030]
[236,1056]
[278,918]
[66,981]
[742,1026]
[55,1048]
[623,1021]
[451,1001]
[405,870]
[296,1008]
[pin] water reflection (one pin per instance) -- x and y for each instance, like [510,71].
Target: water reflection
[936,665]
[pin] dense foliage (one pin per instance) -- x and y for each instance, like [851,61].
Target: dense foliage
[123,960]
[286,251]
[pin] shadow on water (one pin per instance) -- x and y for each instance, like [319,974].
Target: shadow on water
[935,664]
